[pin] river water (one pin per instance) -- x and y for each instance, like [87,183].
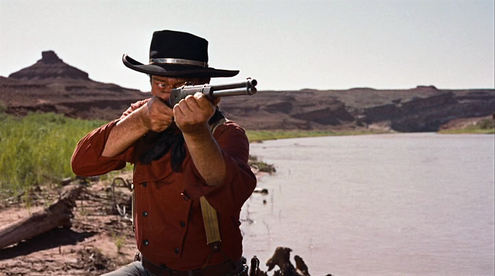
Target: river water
[394,204]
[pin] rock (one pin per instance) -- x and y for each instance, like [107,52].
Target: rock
[50,66]
[263,191]
[301,266]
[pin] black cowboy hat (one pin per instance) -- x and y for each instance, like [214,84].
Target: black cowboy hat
[177,54]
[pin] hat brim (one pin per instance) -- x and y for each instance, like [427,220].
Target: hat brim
[176,70]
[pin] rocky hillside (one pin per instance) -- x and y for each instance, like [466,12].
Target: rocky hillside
[424,108]
[50,85]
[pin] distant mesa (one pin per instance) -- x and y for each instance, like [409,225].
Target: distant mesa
[362,89]
[427,87]
[50,66]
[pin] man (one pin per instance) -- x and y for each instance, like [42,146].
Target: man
[181,155]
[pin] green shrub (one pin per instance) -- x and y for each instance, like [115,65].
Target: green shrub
[486,124]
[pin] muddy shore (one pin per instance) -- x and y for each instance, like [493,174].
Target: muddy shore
[99,240]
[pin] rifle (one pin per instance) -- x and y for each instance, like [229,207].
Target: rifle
[247,87]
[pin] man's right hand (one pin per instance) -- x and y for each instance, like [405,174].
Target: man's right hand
[156,115]
[142,117]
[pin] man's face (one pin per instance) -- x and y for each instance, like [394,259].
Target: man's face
[161,86]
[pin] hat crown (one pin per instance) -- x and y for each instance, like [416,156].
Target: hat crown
[177,54]
[179,45]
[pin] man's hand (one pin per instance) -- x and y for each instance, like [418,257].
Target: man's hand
[192,113]
[151,115]
[156,115]
[191,116]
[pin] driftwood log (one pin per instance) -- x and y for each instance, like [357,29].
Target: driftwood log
[57,215]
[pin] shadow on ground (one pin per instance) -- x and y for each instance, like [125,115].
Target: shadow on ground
[51,239]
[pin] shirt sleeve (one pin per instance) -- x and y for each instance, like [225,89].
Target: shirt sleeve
[87,160]
[240,181]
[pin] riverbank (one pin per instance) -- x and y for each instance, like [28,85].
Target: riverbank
[476,125]
[256,136]
[100,238]
[483,125]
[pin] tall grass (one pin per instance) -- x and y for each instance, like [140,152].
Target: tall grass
[37,148]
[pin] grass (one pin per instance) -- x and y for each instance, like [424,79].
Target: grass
[37,148]
[119,241]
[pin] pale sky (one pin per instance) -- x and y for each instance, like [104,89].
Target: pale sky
[285,45]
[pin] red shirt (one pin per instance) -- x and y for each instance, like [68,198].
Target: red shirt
[167,215]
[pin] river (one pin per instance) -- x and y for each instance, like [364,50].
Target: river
[392,204]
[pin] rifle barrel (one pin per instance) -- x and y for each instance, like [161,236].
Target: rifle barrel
[233,92]
[248,84]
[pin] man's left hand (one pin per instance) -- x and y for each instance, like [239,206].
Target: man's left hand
[192,113]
